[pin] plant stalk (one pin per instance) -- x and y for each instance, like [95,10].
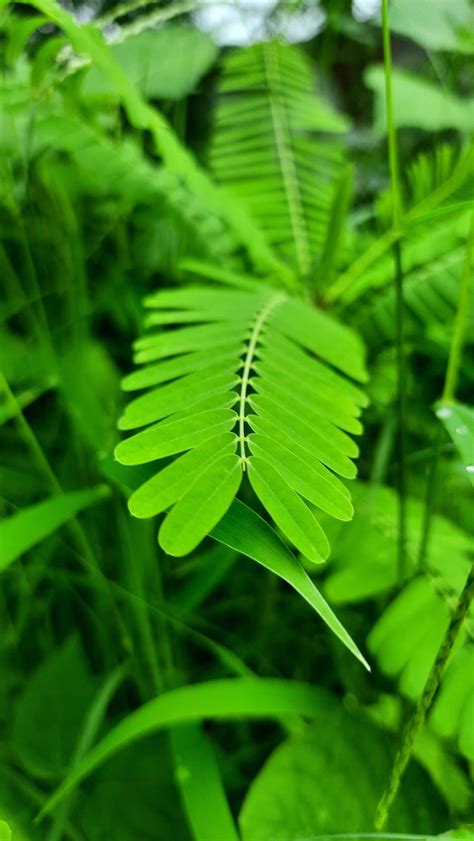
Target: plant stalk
[423,706]
[398,282]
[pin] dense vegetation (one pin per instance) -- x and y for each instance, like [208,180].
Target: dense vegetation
[233,276]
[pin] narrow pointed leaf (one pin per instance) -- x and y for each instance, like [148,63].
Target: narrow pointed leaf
[246,532]
[25,529]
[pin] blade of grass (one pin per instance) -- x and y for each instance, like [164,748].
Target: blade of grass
[234,698]
[201,785]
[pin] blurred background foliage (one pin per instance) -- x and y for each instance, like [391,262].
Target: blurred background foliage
[100,204]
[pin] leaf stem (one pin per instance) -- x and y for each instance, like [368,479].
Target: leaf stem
[248,362]
[399,308]
[423,706]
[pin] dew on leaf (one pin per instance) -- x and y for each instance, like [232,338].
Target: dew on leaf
[443,412]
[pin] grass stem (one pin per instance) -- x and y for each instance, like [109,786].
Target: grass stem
[399,307]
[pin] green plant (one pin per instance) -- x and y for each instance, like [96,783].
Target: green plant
[237,213]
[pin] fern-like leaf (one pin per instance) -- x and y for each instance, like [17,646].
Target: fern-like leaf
[265,147]
[234,385]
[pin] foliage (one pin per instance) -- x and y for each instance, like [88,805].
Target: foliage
[226,211]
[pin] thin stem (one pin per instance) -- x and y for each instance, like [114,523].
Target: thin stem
[424,704]
[431,478]
[460,321]
[399,308]
[401,412]
[391,130]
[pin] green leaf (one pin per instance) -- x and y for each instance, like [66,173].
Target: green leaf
[165,63]
[204,504]
[364,557]
[5,832]
[449,23]
[134,796]
[288,510]
[198,777]
[178,367]
[21,531]
[270,150]
[178,395]
[243,530]
[458,420]
[424,605]
[215,699]
[174,481]
[50,711]
[418,103]
[303,472]
[225,355]
[328,779]
[173,437]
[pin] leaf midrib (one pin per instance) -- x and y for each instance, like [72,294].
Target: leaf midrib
[265,313]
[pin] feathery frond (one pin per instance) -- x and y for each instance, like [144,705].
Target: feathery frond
[235,387]
[267,147]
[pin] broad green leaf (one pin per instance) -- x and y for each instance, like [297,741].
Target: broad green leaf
[215,699]
[434,24]
[50,710]
[204,504]
[364,553]
[198,777]
[243,530]
[288,510]
[458,420]
[418,103]
[21,531]
[164,63]
[329,778]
